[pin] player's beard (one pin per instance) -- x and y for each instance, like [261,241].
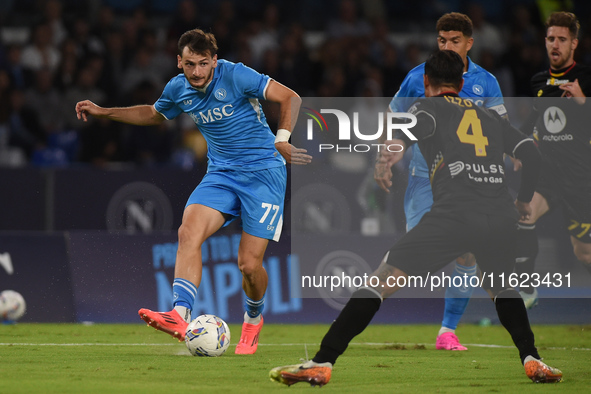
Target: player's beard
[204,82]
[562,60]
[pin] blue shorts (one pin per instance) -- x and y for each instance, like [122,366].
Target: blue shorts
[418,200]
[256,196]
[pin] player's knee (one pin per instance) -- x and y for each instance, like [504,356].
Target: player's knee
[190,239]
[247,272]
[249,267]
[186,236]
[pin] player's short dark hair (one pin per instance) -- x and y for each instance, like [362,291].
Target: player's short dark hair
[564,19]
[445,68]
[454,21]
[198,42]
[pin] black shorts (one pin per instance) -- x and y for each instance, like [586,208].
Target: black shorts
[442,237]
[575,201]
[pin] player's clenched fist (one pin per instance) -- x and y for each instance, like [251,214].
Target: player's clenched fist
[87,107]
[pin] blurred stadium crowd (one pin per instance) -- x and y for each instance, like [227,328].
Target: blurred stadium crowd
[54,53]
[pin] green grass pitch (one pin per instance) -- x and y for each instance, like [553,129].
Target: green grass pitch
[133,358]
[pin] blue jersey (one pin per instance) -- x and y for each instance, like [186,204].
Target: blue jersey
[479,85]
[229,116]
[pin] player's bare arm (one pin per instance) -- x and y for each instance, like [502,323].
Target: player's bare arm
[139,115]
[289,106]
[386,159]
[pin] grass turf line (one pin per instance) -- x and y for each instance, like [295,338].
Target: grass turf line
[401,358]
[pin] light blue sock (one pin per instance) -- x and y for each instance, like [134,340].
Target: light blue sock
[456,298]
[183,293]
[254,308]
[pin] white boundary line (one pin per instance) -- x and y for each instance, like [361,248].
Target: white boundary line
[280,344]
[87,344]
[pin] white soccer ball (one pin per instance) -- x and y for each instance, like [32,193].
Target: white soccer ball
[207,336]
[12,305]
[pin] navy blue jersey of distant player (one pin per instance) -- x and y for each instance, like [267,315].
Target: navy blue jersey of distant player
[481,87]
[246,175]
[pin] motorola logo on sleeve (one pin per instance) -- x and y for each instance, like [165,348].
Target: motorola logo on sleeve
[139,207]
[554,120]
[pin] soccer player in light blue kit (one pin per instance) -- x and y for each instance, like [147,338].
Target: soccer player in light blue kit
[454,33]
[246,173]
